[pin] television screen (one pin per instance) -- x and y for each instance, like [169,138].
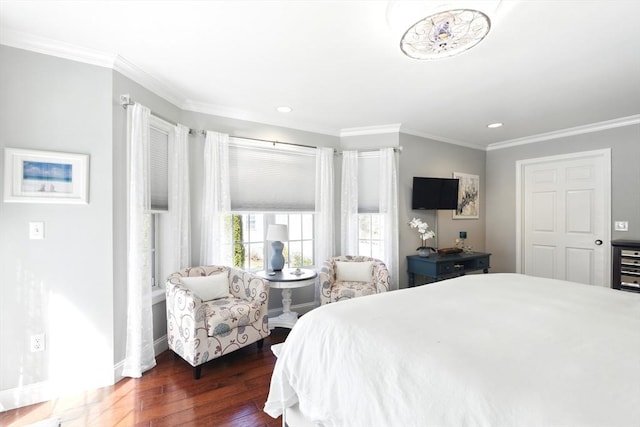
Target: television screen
[434,193]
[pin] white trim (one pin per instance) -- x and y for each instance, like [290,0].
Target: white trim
[371,130]
[160,345]
[563,133]
[443,139]
[153,84]
[72,52]
[56,48]
[521,164]
[240,114]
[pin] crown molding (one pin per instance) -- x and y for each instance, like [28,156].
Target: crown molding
[443,139]
[146,80]
[563,133]
[371,130]
[56,48]
[240,114]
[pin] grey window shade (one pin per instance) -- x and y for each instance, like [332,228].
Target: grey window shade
[159,170]
[368,186]
[264,178]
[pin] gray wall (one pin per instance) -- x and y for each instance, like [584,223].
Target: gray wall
[501,195]
[63,285]
[428,158]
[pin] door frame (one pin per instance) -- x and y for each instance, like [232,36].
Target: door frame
[520,167]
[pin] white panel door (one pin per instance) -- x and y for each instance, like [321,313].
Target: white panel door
[565,217]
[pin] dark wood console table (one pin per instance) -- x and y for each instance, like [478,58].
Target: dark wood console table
[439,267]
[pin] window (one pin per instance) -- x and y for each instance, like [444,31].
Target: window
[250,249]
[161,135]
[154,246]
[369,226]
[271,185]
[369,235]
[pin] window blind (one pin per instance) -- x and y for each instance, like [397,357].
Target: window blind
[368,186]
[159,169]
[266,178]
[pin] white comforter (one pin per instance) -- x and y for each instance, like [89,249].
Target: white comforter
[480,350]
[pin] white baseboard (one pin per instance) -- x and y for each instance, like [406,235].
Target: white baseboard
[159,345]
[43,391]
[40,392]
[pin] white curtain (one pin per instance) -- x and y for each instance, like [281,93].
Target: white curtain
[388,184]
[140,355]
[324,229]
[349,203]
[215,248]
[180,200]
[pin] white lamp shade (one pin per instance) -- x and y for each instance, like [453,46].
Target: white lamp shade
[277,232]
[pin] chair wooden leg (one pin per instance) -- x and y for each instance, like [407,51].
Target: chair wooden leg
[261,343]
[197,371]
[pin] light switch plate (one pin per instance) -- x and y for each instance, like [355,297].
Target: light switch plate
[621,225]
[36,230]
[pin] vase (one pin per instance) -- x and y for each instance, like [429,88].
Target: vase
[424,252]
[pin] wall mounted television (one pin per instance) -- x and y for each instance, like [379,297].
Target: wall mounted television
[434,193]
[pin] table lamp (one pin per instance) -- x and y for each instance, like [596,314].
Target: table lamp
[276,233]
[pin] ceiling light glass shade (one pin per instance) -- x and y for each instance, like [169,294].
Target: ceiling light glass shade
[445,34]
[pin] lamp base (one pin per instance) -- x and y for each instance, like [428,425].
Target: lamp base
[277,259]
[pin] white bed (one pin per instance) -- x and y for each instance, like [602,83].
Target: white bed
[479,350]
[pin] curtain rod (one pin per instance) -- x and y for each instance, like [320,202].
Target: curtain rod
[125,101]
[274,142]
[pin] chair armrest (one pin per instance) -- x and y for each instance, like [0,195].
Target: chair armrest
[326,277]
[186,323]
[381,276]
[248,286]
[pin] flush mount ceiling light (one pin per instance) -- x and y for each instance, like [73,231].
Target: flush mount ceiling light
[494,125]
[284,109]
[445,34]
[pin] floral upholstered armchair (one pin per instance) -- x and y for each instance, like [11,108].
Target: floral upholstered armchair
[214,310]
[346,277]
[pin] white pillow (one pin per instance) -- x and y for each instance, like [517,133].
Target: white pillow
[208,287]
[354,271]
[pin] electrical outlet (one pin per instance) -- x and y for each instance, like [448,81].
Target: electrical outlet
[621,225]
[37,343]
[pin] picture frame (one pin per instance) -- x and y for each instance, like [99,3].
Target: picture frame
[468,196]
[34,176]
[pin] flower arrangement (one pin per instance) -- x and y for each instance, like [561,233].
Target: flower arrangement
[423,231]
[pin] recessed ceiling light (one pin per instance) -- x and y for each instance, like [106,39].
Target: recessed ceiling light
[494,125]
[284,109]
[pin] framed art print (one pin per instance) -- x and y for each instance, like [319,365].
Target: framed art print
[468,196]
[33,176]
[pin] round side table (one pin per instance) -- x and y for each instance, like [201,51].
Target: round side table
[287,280]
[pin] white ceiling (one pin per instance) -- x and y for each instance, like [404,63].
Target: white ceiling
[546,66]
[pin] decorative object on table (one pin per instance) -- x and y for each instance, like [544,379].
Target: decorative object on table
[33,176]
[468,196]
[425,234]
[449,251]
[461,243]
[276,234]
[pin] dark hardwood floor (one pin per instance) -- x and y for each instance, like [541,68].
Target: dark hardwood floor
[231,392]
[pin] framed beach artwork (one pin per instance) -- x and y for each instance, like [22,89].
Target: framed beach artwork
[33,176]
[468,196]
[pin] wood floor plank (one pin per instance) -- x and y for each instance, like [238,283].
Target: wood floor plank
[231,392]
